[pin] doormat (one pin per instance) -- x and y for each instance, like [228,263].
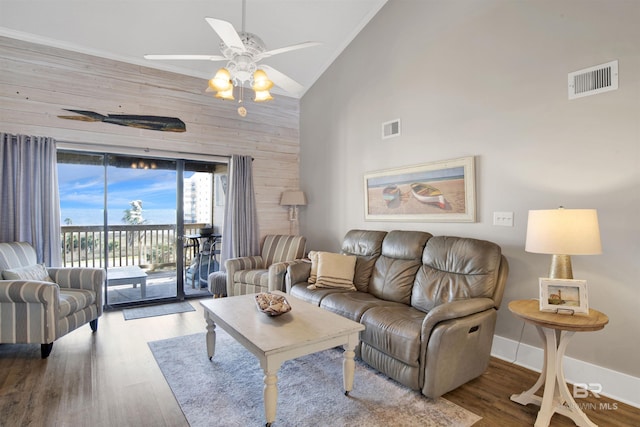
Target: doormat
[157,310]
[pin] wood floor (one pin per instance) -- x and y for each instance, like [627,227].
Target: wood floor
[111,379]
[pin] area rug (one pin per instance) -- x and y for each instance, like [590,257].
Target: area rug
[156,310]
[227,391]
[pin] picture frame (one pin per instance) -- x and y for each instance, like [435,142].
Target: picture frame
[564,296]
[442,191]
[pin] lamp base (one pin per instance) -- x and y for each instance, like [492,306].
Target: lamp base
[561,267]
[293,213]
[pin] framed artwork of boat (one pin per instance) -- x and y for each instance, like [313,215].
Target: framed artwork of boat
[564,296]
[441,191]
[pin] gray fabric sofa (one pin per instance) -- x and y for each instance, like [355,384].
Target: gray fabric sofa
[429,304]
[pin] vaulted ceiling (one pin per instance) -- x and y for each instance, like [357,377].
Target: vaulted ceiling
[126,30]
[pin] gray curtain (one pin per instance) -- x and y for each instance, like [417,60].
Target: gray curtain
[29,200]
[240,235]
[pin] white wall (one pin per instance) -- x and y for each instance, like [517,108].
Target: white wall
[489,79]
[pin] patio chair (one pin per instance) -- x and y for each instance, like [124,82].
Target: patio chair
[40,304]
[265,272]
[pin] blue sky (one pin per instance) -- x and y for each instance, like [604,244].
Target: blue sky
[82,187]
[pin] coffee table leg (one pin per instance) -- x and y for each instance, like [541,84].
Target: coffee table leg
[270,390]
[348,364]
[211,335]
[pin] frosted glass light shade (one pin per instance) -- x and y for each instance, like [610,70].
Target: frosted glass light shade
[226,94]
[262,96]
[261,82]
[563,231]
[222,81]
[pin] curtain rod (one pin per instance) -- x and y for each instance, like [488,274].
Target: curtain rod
[115,149]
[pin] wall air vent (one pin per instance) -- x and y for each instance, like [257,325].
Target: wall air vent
[593,80]
[391,129]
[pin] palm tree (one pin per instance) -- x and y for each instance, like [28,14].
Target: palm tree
[133,216]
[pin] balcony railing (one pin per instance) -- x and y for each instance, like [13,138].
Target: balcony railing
[148,246]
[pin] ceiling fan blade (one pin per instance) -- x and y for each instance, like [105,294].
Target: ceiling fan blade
[227,33]
[272,52]
[188,57]
[282,80]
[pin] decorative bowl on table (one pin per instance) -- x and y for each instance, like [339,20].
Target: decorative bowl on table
[272,304]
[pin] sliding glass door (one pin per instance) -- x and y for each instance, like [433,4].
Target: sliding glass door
[152,223]
[142,250]
[202,239]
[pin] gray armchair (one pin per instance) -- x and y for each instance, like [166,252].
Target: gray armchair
[264,272]
[39,304]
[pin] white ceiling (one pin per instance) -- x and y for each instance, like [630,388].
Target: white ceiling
[126,30]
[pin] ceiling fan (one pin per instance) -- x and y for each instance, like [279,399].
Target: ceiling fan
[242,51]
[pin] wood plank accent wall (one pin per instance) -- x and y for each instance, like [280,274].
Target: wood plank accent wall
[38,82]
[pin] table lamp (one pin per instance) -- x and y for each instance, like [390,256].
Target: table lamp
[293,199]
[562,233]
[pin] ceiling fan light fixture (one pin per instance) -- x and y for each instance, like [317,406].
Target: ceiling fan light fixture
[226,94]
[221,81]
[262,96]
[242,51]
[261,82]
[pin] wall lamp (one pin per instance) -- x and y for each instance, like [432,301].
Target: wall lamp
[293,199]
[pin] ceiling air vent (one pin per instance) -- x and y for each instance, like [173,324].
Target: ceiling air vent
[391,129]
[593,80]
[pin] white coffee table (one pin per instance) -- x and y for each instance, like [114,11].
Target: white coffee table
[304,330]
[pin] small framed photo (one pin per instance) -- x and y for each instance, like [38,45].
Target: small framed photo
[563,296]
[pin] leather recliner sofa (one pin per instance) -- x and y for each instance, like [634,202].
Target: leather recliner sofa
[429,304]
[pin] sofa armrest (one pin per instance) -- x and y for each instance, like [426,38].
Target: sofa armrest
[453,310]
[34,306]
[242,263]
[278,272]
[297,272]
[28,291]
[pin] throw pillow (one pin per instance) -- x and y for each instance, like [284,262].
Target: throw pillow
[313,256]
[335,271]
[30,272]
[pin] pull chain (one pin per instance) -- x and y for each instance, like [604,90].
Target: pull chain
[241,110]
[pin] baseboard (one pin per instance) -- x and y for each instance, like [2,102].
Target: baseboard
[616,385]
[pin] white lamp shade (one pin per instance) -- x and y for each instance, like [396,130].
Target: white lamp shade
[563,231]
[293,198]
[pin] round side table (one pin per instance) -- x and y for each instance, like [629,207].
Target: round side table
[555,330]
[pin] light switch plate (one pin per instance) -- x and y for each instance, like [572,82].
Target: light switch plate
[503,219]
